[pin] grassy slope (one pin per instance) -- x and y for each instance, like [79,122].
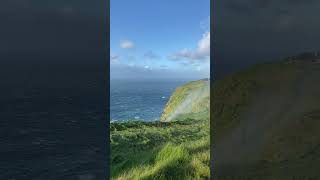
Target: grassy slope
[290,140]
[162,150]
[235,92]
[180,95]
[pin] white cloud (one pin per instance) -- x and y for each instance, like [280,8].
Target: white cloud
[203,49]
[183,53]
[126,44]
[201,52]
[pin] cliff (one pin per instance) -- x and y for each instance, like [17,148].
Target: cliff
[193,97]
[176,149]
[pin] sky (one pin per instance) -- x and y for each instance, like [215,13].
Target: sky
[248,32]
[159,39]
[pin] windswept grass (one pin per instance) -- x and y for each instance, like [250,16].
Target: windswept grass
[174,161]
[157,150]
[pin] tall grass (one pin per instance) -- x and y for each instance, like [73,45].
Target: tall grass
[172,161]
[155,150]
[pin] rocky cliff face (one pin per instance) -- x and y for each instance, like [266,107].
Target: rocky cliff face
[192,97]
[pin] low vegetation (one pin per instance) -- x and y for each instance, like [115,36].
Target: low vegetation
[179,149]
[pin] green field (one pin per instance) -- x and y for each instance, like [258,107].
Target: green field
[175,149]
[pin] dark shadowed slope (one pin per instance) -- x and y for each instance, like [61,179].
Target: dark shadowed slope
[266,119]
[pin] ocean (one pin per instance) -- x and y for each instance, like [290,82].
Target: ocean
[142,100]
[53,122]
[53,118]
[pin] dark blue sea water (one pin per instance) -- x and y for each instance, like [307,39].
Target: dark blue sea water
[53,123]
[140,99]
[53,118]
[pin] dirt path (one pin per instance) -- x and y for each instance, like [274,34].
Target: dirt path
[235,153]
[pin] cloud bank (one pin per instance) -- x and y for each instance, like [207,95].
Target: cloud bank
[201,52]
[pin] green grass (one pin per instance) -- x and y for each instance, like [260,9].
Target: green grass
[142,150]
[171,162]
[179,149]
[180,95]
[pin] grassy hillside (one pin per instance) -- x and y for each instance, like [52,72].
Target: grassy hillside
[234,93]
[178,149]
[268,115]
[192,97]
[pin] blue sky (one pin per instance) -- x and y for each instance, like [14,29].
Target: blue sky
[159,39]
